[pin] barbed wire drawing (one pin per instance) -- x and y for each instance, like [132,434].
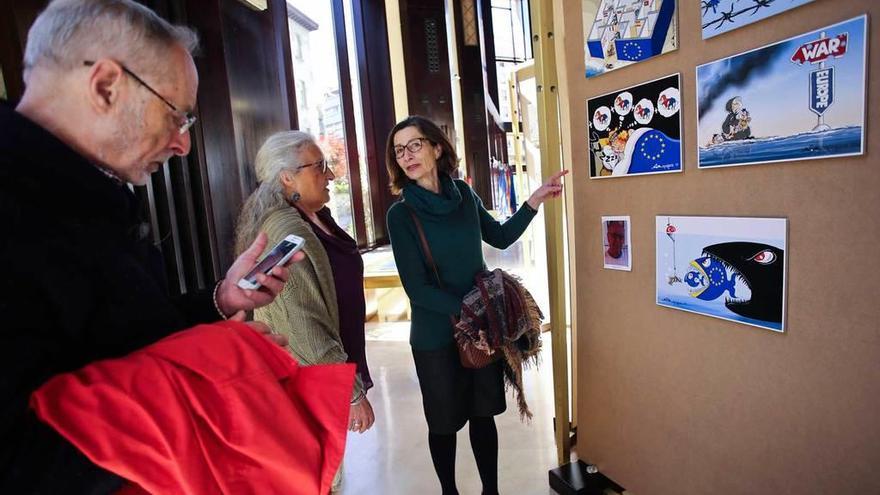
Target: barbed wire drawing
[729,16]
[709,4]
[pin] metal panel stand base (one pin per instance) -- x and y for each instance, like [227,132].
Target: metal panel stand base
[573,479]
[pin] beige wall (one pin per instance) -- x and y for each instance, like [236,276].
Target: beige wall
[678,403]
[395,54]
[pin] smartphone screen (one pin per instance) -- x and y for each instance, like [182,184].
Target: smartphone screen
[275,255]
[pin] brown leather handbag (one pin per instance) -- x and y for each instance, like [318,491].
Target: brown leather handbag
[471,356]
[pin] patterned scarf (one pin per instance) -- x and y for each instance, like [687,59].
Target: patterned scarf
[500,315]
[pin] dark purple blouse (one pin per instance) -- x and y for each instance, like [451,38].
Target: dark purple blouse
[348,278]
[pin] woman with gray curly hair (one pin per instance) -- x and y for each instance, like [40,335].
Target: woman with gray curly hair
[292,196]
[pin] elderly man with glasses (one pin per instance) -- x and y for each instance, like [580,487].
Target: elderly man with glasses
[110,92]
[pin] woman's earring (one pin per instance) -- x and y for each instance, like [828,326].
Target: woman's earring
[295,196]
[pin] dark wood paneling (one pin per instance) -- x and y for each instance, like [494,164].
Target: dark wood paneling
[10,56]
[283,59]
[241,86]
[175,200]
[216,137]
[253,73]
[16,18]
[473,96]
[426,52]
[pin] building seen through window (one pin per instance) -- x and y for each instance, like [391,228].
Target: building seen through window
[318,101]
[510,25]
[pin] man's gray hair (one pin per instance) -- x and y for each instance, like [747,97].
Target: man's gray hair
[70,32]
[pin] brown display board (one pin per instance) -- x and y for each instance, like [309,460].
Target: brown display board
[671,402]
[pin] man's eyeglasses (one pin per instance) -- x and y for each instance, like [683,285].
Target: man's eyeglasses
[185,120]
[324,164]
[414,145]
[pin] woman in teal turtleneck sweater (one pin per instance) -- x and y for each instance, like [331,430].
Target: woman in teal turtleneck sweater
[420,162]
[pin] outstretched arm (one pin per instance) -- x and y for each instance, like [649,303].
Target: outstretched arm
[502,235]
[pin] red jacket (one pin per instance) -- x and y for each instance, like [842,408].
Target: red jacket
[216,409]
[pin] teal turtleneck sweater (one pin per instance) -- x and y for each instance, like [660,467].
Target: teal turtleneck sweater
[455,224]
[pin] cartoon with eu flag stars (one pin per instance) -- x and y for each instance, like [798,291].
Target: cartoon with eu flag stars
[731,268]
[636,130]
[623,32]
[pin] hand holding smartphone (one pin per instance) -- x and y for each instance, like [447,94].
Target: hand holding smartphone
[278,255]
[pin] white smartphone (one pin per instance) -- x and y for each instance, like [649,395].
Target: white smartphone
[277,256]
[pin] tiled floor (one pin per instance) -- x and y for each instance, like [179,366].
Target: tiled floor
[392,458]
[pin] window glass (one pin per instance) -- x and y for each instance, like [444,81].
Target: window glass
[502,26]
[318,101]
[509,36]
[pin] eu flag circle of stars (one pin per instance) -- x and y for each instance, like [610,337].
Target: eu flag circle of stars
[716,275]
[628,49]
[652,147]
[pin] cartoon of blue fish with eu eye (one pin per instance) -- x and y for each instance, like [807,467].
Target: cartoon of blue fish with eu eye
[708,279]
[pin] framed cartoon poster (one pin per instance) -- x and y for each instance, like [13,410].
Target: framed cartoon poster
[618,33]
[721,16]
[616,243]
[731,268]
[636,130]
[798,99]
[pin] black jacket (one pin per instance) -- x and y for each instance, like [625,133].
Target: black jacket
[81,281]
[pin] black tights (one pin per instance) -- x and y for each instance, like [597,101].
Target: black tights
[484,443]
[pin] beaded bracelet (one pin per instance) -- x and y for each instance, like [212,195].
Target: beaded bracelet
[214,297]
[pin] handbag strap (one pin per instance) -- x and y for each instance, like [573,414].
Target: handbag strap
[424,240]
[427,250]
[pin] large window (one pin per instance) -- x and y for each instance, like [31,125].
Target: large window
[510,25]
[330,106]
[318,95]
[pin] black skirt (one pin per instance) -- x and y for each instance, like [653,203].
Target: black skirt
[451,393]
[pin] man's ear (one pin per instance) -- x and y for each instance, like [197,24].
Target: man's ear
[105,84]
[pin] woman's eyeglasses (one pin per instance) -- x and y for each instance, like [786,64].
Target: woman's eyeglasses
[414,146]
[324,164]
